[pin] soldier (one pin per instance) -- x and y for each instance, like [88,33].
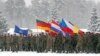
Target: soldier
[1,42]
[20,42]
[49,43]
[8,41]
[33,43]
[11,42]
[44,42]
[14,43]
[37,43]
[23,44]
[53,44]
[40,43]
[26,43]
[57,43]
[4,44]
[63,44]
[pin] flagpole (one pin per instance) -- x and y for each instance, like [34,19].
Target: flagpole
[36,26]
[36,29]
[36,34]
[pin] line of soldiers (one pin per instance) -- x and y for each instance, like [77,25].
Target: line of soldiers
[44,43]
[40,43]
[20,43]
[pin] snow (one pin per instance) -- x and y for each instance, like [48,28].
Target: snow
[96,1]
[84,30]
[28,2]
[11,30]
[44,54]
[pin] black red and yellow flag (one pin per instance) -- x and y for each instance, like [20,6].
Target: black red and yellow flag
[43,25]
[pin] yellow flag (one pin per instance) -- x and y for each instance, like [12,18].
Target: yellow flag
[75,29]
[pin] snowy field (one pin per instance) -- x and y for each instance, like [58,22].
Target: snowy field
[43,54]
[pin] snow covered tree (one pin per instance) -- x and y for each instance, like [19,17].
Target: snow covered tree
[3,24]
[47,9]
[41,9]
[57,7]
[15,11]
[93,26]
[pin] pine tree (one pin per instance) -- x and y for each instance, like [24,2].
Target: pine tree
[3,24]
[57,7]
[93,26]
[15,11]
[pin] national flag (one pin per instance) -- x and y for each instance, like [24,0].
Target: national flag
[52,33]
[43,25]
[81,33]
[21,31]
[66,27]
[75,28]
[56,27]
[46,26]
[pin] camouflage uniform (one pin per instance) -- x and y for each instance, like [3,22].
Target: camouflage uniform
[33,43]
[29,42]
[8,41]
[1,42]
[4,47]
[14,43]
[44,42]
[20,43]
[26,43]
[49,43]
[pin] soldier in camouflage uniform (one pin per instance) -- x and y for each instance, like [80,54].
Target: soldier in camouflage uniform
[40,43]
[8,41]
[37,43]
[29,42]
[33,43]
[23,44]
[4,44]
[53,44]
[26,43]
[44,42]
[20,42]
[49,43]
[1,42]
[14,43]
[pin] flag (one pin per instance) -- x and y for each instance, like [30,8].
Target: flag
[81,33]
[75,28]
[52,33]
[21,31]
[43,25]
[46,26]
[66,27]
[56,27]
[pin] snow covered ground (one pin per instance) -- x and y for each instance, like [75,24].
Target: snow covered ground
[11,30]
[43,54]
[84,30]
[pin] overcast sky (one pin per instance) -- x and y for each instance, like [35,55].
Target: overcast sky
[96,1]
[28,2]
